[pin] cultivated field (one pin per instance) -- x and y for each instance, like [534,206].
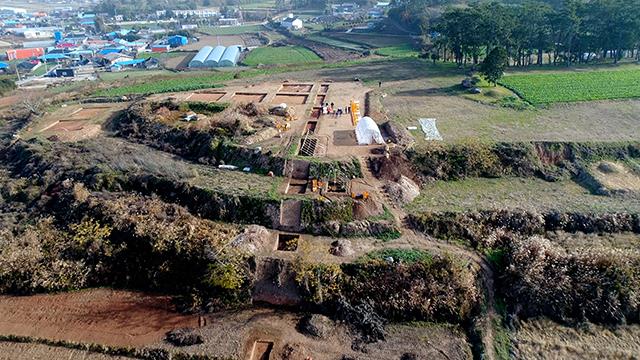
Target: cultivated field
[281,55]
[555,87]
[517,193]
[232,30]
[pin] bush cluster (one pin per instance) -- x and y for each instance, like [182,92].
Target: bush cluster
[598,286]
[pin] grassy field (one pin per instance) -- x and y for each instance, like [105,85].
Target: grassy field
[517,193]
[372,40]
[403,50]
[555,87]
[281,55]
[232,30]
[337,43]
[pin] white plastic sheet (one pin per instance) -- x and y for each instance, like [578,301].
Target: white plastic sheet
[367,132]
[429,129]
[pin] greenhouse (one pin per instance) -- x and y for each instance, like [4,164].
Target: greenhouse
[201,57]
[214,57]
[230,56]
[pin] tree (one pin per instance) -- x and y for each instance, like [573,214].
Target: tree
[494,64]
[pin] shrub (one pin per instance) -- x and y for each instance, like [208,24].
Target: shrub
[544,279]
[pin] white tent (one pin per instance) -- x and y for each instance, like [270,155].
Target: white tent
[367,132]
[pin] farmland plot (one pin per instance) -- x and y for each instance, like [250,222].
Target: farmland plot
[548,88]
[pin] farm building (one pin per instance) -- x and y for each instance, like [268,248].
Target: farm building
[160,48]
[230,56]
[177,41]
[213,60]
[19,54]
[291,23]
[201,57]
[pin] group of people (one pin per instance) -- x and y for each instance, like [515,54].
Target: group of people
[329,109]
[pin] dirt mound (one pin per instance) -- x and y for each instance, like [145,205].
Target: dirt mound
[610,168]
[253,239]
[341,248]
[184,337]
[316,325]
[403,191]
[394,167]
[367,208]
[398,134]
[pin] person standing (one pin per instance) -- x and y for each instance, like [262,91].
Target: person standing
[379,84]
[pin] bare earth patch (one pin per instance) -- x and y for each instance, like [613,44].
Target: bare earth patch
[233,334]
[111,317]
[616,176]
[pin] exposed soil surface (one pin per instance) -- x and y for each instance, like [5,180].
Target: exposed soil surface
[234,335]
[112,317]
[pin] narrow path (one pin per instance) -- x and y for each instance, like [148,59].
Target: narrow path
[425,242]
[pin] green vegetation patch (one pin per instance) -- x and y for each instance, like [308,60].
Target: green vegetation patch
[404,50]
[408,256]
[204,81]
[281,55]
[549,88]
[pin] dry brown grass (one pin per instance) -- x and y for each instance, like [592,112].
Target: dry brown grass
[616,176]
[544,339]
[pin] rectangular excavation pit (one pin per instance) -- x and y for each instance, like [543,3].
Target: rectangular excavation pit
[288,242]
[302,88]
[296,187]
[310,128]
[291,99]
[324,88]
[319,100]
[249,97]
[307,147]
[316,112]
[336,187]
[261,350]
[206,97]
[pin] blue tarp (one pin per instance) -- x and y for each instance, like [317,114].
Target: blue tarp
[54,57]
[110,50]
[4,65]
[130,62]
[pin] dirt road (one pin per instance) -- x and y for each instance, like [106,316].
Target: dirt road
[112,317]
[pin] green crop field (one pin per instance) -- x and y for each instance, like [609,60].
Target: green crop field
[281,55]
[371,39]
[232,30]
[338,43]
[549,88]
[404,50]
[182,83]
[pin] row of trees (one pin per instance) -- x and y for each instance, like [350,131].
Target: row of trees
[579,31]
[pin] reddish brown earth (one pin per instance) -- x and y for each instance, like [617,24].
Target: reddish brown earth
[111,317]
[9,100]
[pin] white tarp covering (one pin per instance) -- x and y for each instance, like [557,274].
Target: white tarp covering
[430,130]
[367,132]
